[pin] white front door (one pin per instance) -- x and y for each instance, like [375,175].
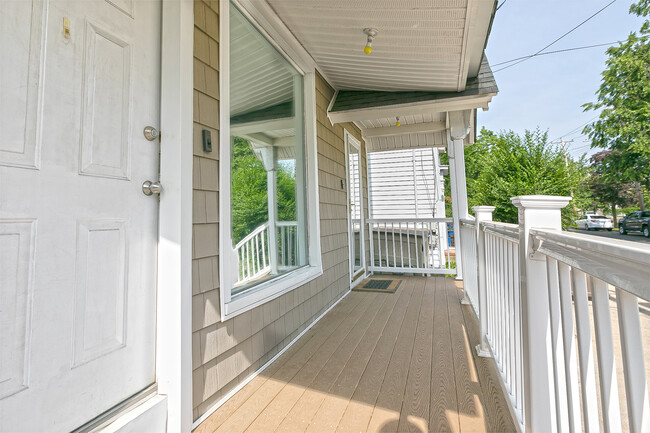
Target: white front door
[355,208]
[78,238]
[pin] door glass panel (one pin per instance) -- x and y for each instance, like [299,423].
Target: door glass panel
[354,183]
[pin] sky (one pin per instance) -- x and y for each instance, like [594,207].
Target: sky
[548,91]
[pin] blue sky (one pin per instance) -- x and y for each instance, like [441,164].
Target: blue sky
[548,91]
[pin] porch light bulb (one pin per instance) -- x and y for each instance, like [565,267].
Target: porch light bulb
[398,123]
[371,33]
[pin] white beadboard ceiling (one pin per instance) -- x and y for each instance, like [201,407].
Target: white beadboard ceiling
[431,45]
[260,77]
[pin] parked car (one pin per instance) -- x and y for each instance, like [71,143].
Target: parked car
[595,222]
[635,222]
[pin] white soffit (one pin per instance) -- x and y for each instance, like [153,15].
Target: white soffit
[421,45]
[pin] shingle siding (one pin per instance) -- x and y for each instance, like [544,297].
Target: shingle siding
[224,354]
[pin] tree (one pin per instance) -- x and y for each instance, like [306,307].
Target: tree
[605,188]
[249,201]
[506,165]
[623,125]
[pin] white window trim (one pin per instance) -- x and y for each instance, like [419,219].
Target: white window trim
[267,22]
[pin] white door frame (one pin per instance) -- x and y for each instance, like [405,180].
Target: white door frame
[174,301]
[350,140]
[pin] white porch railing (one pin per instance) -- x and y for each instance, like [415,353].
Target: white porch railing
[530,284]
[415,245]
[253,257]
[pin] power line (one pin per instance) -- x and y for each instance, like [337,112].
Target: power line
[561,37]
[502,3]
[576,129]
[555,52]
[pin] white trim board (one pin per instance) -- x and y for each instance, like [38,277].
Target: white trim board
[246,381]
[437,106]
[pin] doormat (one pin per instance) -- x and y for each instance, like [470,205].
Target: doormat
[380,286]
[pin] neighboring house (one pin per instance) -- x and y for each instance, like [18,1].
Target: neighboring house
[135,293]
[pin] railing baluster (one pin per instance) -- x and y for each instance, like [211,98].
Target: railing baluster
[611,411]
[379,243]
[408,242]
[636,385]
[417,258]
[557,345]
[586,358]
[401,249]
[570,350]
[386,243]
[392,227]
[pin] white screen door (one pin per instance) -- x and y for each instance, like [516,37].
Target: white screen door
[355,207]
[78,239]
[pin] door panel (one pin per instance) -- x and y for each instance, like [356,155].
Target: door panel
[78,239]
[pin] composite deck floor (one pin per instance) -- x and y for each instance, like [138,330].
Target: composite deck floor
[377,362]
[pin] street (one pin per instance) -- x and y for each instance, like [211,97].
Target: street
[614,234]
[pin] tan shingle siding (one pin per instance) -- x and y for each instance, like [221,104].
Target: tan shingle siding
[224,354]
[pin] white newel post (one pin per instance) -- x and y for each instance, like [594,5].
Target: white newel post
[539,212]
[482,213]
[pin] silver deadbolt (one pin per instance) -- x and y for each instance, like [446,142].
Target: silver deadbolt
[150,133]
[151,188]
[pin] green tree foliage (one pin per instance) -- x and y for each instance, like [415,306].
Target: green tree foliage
[249,201]
[623,125]
[605,186]
[505,165]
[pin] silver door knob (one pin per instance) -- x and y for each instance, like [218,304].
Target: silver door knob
[151,188]
[150,133]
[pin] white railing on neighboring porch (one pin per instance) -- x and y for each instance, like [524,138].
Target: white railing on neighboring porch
[530,285]
[253,257]
[415,245]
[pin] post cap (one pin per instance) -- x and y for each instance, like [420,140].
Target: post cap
[483,208]
[540,201]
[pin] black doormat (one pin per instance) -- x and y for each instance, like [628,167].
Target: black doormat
[381,286]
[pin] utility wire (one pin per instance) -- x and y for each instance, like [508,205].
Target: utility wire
[555,52]
[561,37]
[576,129]
[502,3]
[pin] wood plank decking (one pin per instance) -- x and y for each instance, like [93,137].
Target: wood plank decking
[378,363]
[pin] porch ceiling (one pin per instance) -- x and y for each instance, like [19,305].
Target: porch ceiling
[426,45]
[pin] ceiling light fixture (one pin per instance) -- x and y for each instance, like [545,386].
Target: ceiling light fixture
[398,123]
[371,36]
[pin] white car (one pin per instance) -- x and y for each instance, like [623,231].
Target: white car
[595,222]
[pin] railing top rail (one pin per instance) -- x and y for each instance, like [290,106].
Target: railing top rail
[504,230]
[468,222]
[623,264]
[409,220]
[251,235]
[286,223]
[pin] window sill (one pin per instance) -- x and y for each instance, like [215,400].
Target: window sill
[268,291]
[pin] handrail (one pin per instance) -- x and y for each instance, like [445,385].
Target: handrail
[623,264]
[251,235]
[410,220]
[507,231]
[286,223]
[467,222]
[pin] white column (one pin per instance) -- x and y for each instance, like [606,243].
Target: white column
[269,162]
[174,297]
[458,195]
[482,213]
[537,211]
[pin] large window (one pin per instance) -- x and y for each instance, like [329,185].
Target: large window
[268,221]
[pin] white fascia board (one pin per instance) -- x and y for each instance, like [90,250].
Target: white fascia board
[438,106]
[475,34]
[405,129]
[262,126]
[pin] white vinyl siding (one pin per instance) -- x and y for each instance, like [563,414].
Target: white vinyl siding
[402,184]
